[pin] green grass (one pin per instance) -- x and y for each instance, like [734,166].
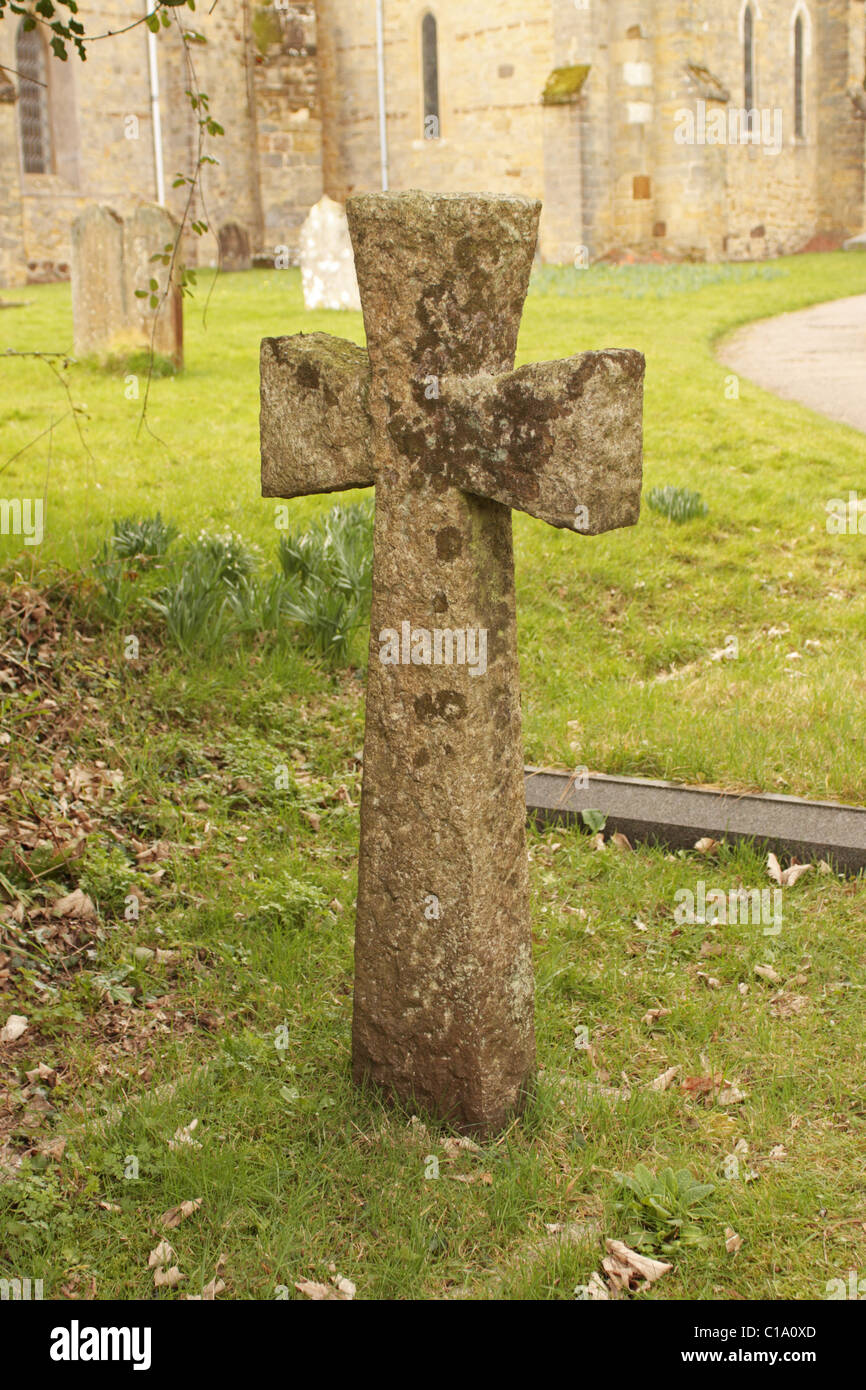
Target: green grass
[616,632]
[241,762]
[245,1027]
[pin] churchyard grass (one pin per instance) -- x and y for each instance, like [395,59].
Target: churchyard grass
[244,1026]
[240,762]
[617,633]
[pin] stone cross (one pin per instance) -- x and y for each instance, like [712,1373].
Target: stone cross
[433,415]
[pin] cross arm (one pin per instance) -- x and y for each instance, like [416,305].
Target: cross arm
[315,421]
[559,440]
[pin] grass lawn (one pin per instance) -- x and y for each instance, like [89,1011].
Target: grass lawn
[616,632]
[178,839]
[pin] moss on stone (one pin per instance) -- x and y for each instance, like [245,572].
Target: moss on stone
[266,28]
[565,85]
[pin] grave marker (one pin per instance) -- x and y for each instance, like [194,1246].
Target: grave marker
[96,268]
[433,414]
[327,266]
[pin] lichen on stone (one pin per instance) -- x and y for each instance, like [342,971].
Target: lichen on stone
[564,85]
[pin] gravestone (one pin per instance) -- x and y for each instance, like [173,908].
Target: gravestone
[111,259]
[98,301]
[234,247]
[327,264]
[150,229]
[434,415]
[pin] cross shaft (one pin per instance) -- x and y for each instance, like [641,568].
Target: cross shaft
[452,438]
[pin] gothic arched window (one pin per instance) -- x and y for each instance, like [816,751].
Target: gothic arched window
[749,65]
[800,77]
[33,120]
[430,75]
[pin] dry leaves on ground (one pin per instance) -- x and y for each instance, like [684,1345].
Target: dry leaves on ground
[339,1289]
[628,1271]
[172,1218]
[786,878]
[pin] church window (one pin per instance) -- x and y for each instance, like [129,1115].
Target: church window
[749,62]
[430,75]
[800,77]
[33,119]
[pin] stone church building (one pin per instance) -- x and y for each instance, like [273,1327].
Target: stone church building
[677,128]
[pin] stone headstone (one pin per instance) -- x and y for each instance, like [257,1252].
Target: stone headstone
[327,264]
[111,259]
[434,415]
[149,230]
[98,302]
[234,247]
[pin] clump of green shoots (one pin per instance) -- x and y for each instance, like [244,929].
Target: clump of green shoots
[677,503]
[664,1209]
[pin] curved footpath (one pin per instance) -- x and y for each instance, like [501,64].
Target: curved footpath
[815,356]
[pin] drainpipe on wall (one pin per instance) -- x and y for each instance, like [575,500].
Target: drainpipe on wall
[156,124]
[380,75]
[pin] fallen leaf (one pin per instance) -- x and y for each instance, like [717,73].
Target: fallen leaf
[210,1291]
[702,1085]
[653,1015]
[183,1135]
[621,841]
[54,1148]
[162,1254]
[662,1082]
[732,1240]
[75,904]
[706,845]
[790,876]
[458,1143]
[767,972]
[778,1153]
[627,1270]
[709,980]
[172,1218]
[325,1292]
[788,1005]
[167,1278]
[15,1025]
[730,1094]
[786,878]
[42,1073]
[314,819]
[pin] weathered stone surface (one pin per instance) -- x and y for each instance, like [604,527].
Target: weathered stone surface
[111,259]
[316,432]
[559,440]
[327,266]
[234,247]
[443,1006]
[443,974]
[98,306]
[148,231]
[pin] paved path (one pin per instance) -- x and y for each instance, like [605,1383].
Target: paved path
[815,356]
